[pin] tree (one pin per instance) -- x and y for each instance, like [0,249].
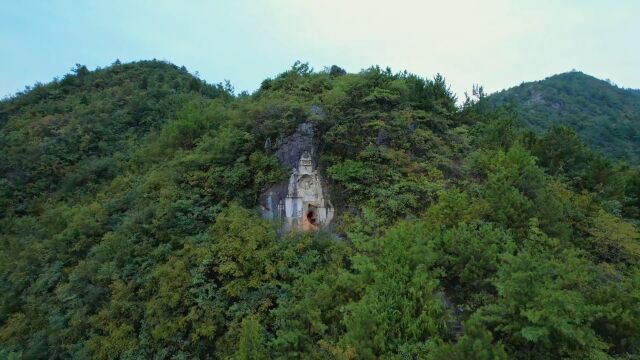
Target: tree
[251,344]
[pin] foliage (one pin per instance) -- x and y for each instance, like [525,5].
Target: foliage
[606,117]
[128,223]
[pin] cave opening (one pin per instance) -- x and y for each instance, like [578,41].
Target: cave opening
[311,217]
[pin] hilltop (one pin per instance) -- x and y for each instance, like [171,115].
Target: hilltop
[606,117]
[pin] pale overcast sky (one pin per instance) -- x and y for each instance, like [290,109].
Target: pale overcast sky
[495,43]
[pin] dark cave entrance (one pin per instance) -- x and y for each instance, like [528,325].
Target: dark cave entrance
[312,216]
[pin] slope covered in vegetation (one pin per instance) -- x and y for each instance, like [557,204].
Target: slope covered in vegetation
[606,117]
[129,227]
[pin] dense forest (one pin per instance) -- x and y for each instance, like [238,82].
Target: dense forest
[606,117]
[129,226]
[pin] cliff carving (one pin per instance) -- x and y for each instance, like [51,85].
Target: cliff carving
[300,203]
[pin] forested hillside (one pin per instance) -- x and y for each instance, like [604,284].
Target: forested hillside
[606,117]
[129,226]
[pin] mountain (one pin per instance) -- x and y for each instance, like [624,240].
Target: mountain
[606,117]
[75,132]
[132,223]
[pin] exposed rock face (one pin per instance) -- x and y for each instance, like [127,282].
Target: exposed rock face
[292,148]
[305,206]
[300,203]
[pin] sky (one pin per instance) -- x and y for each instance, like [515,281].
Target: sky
[493,43]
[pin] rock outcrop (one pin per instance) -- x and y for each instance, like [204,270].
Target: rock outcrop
[301,203]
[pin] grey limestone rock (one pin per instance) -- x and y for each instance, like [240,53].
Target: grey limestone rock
[299,202]
[292,147]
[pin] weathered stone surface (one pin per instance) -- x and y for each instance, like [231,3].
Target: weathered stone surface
[299,202]
[304,206]
[317,111]
[292,147]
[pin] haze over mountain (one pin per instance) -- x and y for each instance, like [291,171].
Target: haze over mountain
[606,117]
[496,43]
[131,227]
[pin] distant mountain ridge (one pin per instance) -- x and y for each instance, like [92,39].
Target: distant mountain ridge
[605,116]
